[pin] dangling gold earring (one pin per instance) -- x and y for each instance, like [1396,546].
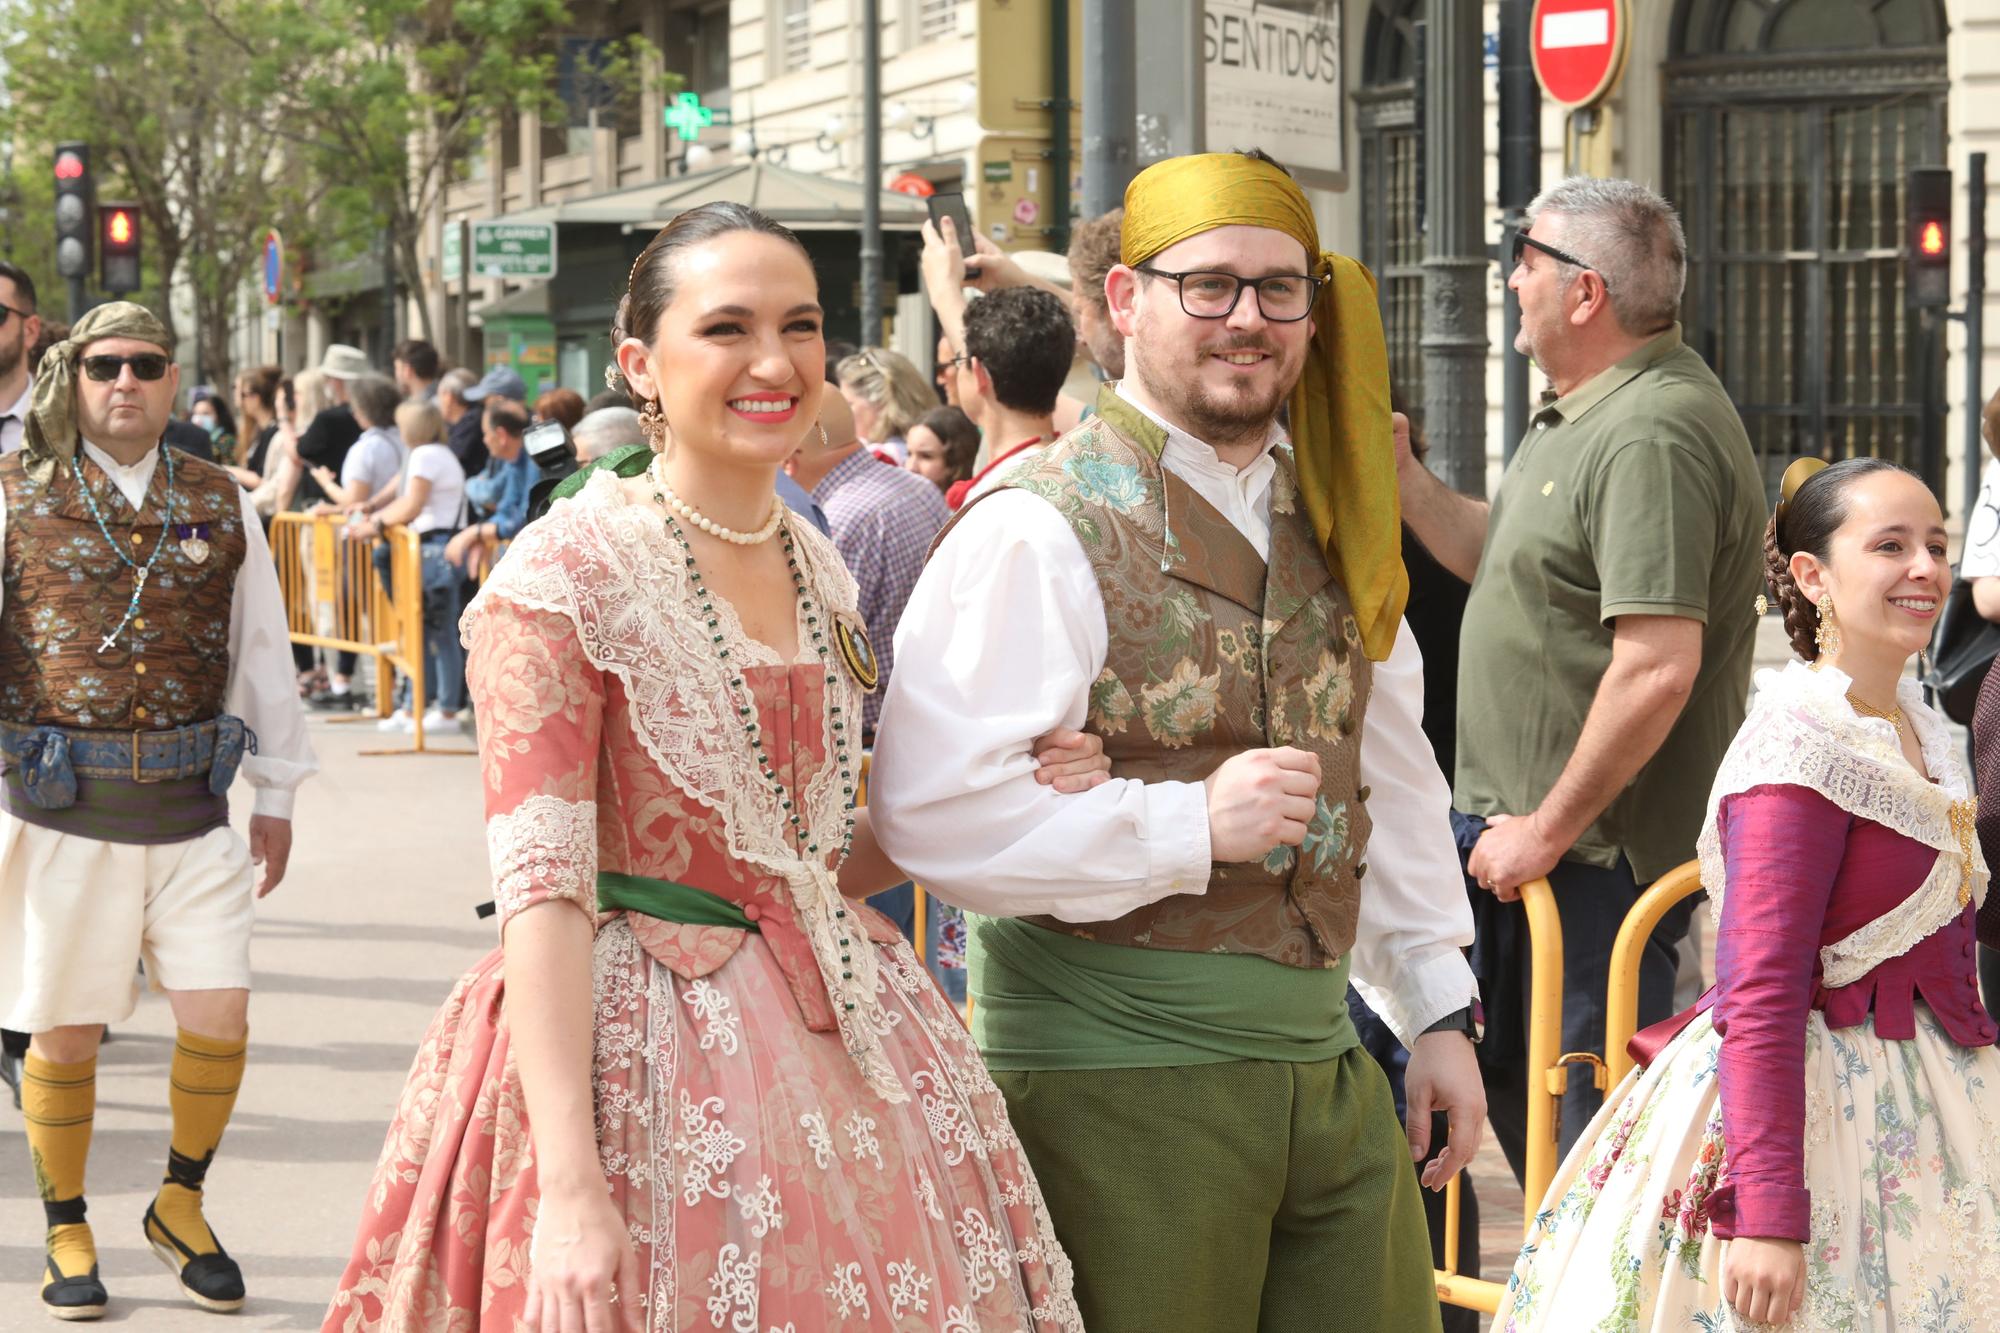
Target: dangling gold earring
[1827,636]
[653,424]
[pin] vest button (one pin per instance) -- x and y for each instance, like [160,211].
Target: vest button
[137,540]
[140,712]
[139,668]
[139,623]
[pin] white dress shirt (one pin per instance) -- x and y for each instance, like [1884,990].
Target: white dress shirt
[261,689]
[999,645]
[13,432]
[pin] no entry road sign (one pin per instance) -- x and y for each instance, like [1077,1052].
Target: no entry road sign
[1578,48]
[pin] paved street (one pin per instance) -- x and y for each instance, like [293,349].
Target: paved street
[354,951]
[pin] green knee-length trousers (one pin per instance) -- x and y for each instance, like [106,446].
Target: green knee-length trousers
[1244,1197]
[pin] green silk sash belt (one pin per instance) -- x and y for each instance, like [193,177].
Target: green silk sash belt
[666,900]
[1045,1000]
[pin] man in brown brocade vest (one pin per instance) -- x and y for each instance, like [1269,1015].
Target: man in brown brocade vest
[143,660]
[1160,971]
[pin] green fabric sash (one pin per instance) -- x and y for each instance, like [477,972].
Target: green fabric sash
[665,900]
[1046,1000]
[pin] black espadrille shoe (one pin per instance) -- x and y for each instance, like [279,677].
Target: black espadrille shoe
[65,1297]
[211,1280]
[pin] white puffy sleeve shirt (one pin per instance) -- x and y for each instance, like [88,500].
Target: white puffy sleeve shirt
[262,690]
[999,645]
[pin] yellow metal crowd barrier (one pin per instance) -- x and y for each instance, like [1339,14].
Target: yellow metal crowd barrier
[1621,1008]
[335,599]
[1545,1038]
[1544,1103]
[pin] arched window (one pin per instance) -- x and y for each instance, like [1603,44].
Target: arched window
[1791,129]
[1391,165]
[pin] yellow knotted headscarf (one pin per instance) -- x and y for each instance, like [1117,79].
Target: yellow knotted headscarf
[1340,407]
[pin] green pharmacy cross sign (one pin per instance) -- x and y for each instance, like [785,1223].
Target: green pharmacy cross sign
[688,117]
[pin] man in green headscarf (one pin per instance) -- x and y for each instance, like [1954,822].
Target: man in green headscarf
[143,654]
[1159,979]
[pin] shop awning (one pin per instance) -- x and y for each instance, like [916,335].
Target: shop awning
[799,200]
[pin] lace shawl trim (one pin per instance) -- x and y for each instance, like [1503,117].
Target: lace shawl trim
[1802,732]
[544,843]
[609,567]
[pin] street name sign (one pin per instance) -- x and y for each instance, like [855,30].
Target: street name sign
[1578,48]
[514,249]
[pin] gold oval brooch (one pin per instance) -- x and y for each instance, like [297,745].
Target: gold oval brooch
[858,653]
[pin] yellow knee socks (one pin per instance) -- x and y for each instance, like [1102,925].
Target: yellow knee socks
[206,1073]
[59,1102]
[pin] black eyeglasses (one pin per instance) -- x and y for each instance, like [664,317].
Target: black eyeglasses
[1283,298]
[145,366]
[1522,241]
[7,310]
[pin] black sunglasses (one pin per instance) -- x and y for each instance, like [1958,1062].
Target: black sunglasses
[6,310]
[145,366]
[1522,241]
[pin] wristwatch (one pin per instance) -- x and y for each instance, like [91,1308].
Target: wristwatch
[1458,1020]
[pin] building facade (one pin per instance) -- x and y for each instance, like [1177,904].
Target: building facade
[1784,131]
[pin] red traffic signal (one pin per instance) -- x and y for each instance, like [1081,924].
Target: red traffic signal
[1927,270]
[118,230]
[72,209]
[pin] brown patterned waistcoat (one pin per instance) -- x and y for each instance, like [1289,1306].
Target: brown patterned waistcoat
[1221,655]
[64,591]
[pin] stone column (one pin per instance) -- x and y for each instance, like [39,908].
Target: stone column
[1455,261]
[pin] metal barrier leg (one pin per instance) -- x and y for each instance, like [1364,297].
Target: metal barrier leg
[1547,1077]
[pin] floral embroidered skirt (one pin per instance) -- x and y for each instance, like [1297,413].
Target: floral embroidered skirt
[1902,1159]
[765,1185]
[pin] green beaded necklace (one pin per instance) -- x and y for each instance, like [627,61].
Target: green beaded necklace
[746,710]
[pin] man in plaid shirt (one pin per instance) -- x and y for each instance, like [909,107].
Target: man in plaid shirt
[883,518]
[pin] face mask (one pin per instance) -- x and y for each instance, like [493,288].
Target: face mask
[210,425]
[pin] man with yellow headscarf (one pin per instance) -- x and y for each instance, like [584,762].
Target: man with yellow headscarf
[143,660]
[1160,966]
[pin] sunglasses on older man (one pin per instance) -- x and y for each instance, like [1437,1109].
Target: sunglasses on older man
[1522,242]
[145,366]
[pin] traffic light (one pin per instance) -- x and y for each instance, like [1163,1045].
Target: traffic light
[118,247]
[1929,238]
[74,189]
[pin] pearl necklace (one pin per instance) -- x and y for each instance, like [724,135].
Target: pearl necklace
[674,503]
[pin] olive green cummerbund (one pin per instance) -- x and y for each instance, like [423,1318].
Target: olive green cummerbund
[1046,1000]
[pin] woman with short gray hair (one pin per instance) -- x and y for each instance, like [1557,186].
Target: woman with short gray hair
[374,465]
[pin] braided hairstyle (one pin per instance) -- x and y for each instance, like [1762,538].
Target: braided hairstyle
[1816,511]
[655,278]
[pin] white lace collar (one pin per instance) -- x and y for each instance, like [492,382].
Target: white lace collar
[1802,731]
[606,563]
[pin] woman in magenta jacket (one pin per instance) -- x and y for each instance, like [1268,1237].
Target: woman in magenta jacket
[1816,1145]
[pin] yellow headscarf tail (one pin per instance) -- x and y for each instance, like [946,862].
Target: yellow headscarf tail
[1340,408]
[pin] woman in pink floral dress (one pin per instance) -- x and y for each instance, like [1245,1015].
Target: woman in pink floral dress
[718,1094]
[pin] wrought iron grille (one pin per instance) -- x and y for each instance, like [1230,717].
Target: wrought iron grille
[1789,159]
[1391,165]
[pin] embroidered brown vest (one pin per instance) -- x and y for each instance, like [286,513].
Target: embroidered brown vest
[1221,654]
[65,591]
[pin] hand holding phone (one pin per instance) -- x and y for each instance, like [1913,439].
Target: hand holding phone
[952,205]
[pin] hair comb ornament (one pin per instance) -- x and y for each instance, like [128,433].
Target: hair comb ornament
[1795,476]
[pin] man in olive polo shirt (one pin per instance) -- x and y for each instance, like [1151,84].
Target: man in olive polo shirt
[1606,646]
